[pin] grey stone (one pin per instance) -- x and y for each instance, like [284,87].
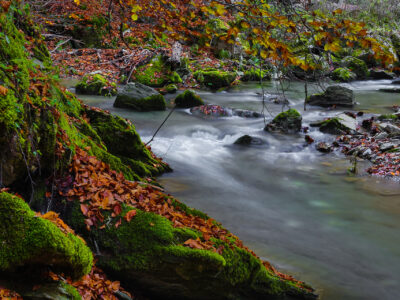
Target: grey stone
[333,96]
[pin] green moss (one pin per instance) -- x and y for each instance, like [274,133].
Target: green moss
[71,291]
[255,75]
[223,54]
[151,103]
[10,110]
[28,241]
[357,66]
[188,99]
[175,78]
[217,25]
[96,85]
[289,114]
[155,74]
[190,211]
[171,88]
[333,126]
[391,117]
[343,75]
[215,79]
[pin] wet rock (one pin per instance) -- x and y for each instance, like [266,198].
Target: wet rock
[286,122]
[188,99]
[381,136]
[247,140]
[215,79]
[390,128]
[333,96]
[386,146]
[341,124]
[137,96]
[323,147]
[367,154]
[96,84]
[246,113]
[396,81]
[380,74]
[388,90]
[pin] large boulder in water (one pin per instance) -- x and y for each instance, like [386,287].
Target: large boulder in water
[215,79]
[286,122]
[340,124]
[333,96]
[247,140]
[137,96]
[380,74]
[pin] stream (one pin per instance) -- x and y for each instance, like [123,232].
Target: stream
[292,205]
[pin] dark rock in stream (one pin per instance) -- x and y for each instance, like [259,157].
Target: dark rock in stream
[286,122]
[248,140]
[340,124]
[137,96]
[323,147]
[388,90]
[380,74]
[396,81]
[210,110]
[333,96]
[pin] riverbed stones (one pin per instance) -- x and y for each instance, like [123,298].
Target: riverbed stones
[390,128]
[340,124]
[333,96]
[188,99]
[139,97]
[286,122]
[247,140]
[323,147]
[396,81]
[215,79]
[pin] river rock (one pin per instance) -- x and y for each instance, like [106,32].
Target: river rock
[323,147]
[386,146]
[396,81]
[390,128]
[137,96]
[333,96]
[245,113]
[341,124]
[211,110]
[188,99]
[381,136]
[380,74]
[247,140]
[286,122]
[356,65]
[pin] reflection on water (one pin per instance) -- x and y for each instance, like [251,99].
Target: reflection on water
[291,204]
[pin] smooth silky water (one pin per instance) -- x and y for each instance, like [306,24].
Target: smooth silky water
[294,206]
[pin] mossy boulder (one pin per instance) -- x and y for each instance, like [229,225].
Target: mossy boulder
[188,99]
[333,96]
[380,74]
[171,88]
[255,75]
[286,122]
[340,124]
[357,66]
[32,242]
[137,96]
[343,75]
[156,73]
[215,79]
[96,85]
[122,140]
[148,255]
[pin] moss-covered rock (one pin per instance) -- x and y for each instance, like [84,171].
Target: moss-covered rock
[215,79]
[122,140]
[286,122]
[188,99]
[171,88]
[147,254]
[255,75]
[156,73]
[96,85]
[139,97]
[333,96]
[29,241]
[357,66]
[343,75]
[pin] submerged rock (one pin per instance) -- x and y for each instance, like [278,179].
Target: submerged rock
[333,96]
[188,99]
[389,90]
[286,122]
[211,110]
[137,96]
[247,140]
[396,81]
[323,147]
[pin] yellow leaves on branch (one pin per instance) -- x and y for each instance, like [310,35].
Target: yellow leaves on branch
[3,90]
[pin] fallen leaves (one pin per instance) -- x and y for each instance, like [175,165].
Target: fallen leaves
[8,294]
[3,90]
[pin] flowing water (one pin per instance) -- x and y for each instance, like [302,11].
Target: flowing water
[294,206]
